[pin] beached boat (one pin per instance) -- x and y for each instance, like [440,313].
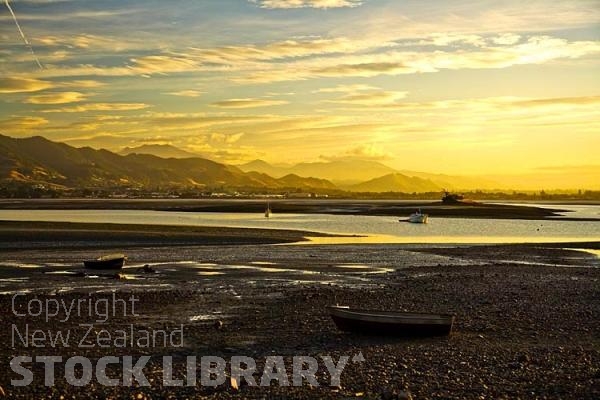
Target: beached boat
[268,211]
[394,323]
[110,261]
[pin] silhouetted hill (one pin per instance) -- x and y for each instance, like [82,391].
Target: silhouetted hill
[396,182]
[37,160]
[340,172]
[265,168]
[293,180]
[454,182]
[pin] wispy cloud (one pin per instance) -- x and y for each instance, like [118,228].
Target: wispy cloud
[23,85]
[291,48]
[365,151]
[16,125]
[346,89]
[85,83]
[371,98]
[226,138]
[186,93]
[99,107]
[56,98]
[535,50]
[307,3]
[248,103]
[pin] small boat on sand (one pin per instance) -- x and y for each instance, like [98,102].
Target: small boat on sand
[110,261]
[417,217]
[392,323]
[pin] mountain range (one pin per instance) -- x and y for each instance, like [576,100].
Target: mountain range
[37,160]
[341,172]
[371,176]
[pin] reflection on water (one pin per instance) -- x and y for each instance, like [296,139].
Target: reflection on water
[595,252]
[382,239]
[373,229]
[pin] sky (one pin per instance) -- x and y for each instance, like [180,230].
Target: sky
[459,87]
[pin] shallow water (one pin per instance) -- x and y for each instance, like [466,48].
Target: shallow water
[375,229]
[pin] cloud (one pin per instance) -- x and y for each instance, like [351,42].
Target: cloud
[162,64]
[535,50]
[346,89]
[446,39]
[18,124]
[226,138]
[56,98]
[248,103]
[506,39]
[364,95]
[75,15]
[89,42]
[291,48]
[372,98]
[368,151]
[84,83]
[193,121]
[576,101]
[186,93]
[23,85]
[100,107]
[307,3]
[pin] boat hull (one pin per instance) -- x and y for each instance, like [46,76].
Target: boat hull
[418,218]
[391,323]
[116,263]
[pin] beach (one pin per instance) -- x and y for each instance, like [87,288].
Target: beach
[526,314]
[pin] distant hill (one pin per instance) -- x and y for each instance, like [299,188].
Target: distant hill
[37,160]
[455,182]
[348,173]
[340,172]
[292,180]
[396,182]
[159,150]
[264,168]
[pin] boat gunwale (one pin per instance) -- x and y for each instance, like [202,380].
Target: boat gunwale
[392,316]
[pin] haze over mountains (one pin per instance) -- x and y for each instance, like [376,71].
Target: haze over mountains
[37,160]
[372,176]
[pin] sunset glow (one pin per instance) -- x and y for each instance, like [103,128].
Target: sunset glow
[454,87]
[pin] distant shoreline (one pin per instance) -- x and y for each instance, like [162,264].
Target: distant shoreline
[489,210]
[16,235]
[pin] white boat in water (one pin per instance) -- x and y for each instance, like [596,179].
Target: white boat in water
[268,211]
[418,217]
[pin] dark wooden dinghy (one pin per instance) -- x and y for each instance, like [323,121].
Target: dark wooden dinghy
[395,323]
[111,261]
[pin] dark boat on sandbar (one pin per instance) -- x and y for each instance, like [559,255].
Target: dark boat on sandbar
[111,261]
[391,323]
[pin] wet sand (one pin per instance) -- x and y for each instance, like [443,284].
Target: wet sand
[67,235]
[526,316]
[302,206]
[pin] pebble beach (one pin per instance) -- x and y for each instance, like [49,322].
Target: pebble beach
[526,317]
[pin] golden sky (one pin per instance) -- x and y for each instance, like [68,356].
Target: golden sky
[461,87]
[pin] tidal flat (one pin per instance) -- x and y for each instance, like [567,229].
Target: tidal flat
[526,316]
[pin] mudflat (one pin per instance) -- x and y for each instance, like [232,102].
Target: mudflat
[68,235]
[526,317]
